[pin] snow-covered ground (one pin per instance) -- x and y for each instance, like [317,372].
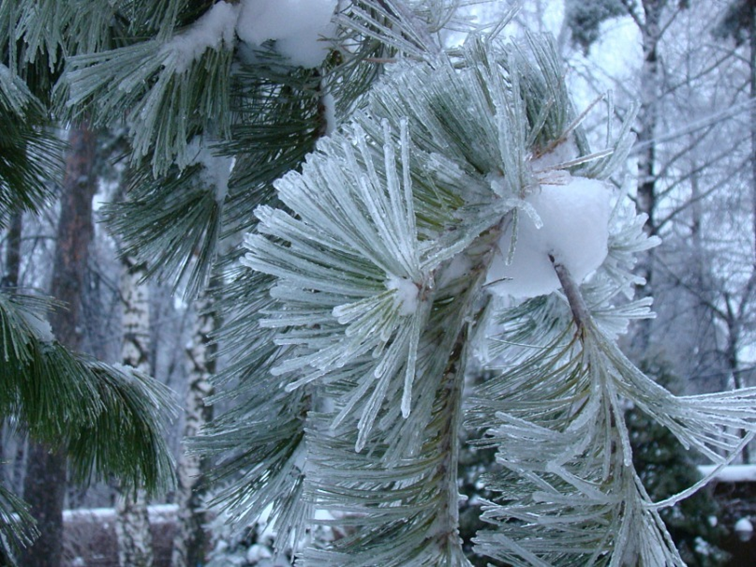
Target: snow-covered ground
[731,473]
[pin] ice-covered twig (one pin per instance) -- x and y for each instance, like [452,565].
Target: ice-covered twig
[571,291]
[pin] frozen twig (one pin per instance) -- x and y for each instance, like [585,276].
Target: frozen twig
[580,312]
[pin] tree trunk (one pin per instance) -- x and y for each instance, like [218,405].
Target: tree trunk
[132,521]
[45,482]
[746,455]
[12,268]
[12,261]
[648,116]
[190,544]
[752,81]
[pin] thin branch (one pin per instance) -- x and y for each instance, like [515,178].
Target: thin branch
[694,126]
[632,13]
[580,312]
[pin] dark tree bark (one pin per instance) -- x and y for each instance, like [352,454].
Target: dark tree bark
[45,482]
[12,269]
[12,261]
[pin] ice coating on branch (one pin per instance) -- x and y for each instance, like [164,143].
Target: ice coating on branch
[407,294]
[214,27]
[575,231]
[560,154]
[297,26]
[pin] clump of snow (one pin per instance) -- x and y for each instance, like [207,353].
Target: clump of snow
[743,525]
[297,26]
[702,546]
[39,326]
[574,219]
[216,170]
[258,552]
[407,294]
[214,27]
[126,370]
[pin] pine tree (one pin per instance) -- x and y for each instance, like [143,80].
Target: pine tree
[456,217]
[103,419]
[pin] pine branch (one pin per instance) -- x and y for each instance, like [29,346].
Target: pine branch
[378,255]
[110,420]
[30,153]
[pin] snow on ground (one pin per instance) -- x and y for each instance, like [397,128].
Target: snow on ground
[731,473]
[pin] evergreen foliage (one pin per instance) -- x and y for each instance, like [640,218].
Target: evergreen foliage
[108,418]
[584,17]
[736,22]
[28,155]
[365,294]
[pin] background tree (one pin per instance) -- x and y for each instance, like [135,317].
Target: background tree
[192,540]
[132,520]
[67,403]
[45,482]
[379,263]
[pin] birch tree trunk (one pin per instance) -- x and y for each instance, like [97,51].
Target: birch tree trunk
[45,481]
[132,521]
[190,544]
[648,117]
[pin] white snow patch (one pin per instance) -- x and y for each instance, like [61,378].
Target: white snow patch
[702,546]
[162,512]
[575,231]
[297,26]
[125,369]
[258,552]
[731,473]
[321,514]
[39,326]
[214,27]
[216,170]
[743,525]
[407,293]
[102,514]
